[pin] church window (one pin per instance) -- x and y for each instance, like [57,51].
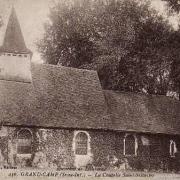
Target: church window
[24,144]
[130,145]
[81,143]
[172,148]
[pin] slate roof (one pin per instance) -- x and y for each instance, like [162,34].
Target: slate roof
[143,113]
[13,40]
[64,97]
[57,97]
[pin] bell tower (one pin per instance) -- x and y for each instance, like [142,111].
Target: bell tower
[15,57]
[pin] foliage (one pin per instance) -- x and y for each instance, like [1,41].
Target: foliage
[127,42]
[174,4]
[175,66]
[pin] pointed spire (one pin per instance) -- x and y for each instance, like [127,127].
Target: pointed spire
[13,40]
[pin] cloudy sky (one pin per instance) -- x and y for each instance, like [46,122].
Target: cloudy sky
[33,13]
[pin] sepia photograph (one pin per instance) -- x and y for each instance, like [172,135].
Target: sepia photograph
[90,89]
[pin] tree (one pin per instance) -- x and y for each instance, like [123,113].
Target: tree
[125,41]
[174,4]
[174,45]
[67,40]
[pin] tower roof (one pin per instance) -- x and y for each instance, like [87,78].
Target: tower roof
[13,40]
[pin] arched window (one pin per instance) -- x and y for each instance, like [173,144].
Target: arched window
[81,143]
[24,142]
[172,148]
[130,145]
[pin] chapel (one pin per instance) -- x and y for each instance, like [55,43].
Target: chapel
[60,117]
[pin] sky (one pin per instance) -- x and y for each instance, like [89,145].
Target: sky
[33,13]
[160,6]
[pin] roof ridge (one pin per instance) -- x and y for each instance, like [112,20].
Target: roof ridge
[64,67]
